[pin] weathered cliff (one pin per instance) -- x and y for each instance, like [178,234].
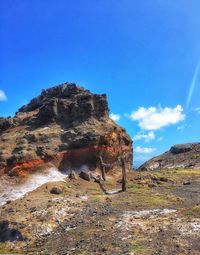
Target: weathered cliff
[179,156]
[67,127]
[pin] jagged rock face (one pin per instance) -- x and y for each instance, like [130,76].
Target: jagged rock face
[66,126]
[68,105]
[179,156]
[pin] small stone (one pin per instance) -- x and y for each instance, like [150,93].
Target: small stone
[152,185]
[85,176]
[108,199]
[56,191]
[163,179]
[33,209]
[73,175]
[187,183]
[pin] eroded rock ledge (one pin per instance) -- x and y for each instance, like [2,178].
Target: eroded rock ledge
[186,156]
[67,127]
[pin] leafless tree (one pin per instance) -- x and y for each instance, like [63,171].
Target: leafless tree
[123,163]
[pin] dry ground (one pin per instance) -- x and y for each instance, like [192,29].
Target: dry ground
[158,215]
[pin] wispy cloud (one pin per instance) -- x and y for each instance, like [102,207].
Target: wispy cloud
[154,118]
[181,127]
[184,126]
[160,139]
[115,117]
[144,150]
[146,137]
[192,86]
[3,96]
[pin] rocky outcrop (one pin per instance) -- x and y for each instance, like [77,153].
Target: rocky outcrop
[67,127]
[179,156]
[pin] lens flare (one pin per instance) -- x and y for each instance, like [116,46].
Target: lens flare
[192,86]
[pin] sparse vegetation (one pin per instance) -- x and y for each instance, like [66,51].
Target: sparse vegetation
[138,248]
[192,212]
[4,247]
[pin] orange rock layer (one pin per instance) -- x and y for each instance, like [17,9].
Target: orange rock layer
[70,159]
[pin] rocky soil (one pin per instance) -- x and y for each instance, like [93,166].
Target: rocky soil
[179,156]
[159,214]
[66,127]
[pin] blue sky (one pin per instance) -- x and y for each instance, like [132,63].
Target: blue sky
[143,54]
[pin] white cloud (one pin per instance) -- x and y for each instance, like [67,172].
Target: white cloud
[3,96]
[147,137]
[197,109]
[160,139]
[144,150]
[154,118]
[184,126]
[115,117]
[181,127]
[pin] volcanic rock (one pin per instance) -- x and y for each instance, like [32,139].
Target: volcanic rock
[85,176]
[67,127]
[185,156]
[56,191]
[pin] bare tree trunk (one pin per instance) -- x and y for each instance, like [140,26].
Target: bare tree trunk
[103,172]
[101,183]
[123,174]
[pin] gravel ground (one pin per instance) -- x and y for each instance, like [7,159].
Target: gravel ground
[158,215]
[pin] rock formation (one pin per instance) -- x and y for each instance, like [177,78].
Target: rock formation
[67,127]
[179,156]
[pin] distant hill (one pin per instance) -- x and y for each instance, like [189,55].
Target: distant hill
[179,156]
